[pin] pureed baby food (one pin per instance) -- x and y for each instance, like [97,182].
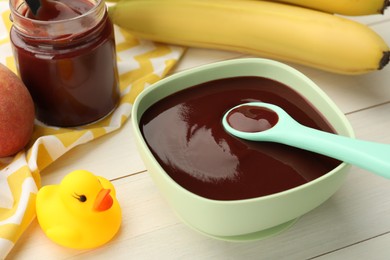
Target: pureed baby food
[65,55]
[184,131]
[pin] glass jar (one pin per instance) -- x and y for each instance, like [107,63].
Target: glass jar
[69,66]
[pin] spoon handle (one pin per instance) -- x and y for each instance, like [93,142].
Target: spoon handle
[374,157]
[33,5]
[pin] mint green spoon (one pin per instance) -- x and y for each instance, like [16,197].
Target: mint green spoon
[257,121]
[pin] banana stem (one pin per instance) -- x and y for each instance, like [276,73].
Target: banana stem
[385,59]
[385,5]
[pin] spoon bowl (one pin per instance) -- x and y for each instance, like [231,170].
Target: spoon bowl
[258,121]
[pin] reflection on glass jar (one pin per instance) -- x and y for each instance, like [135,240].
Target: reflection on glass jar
[68,65]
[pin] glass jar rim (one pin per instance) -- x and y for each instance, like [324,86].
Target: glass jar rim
[14,11]
[58,29]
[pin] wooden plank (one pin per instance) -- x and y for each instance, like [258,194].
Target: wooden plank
[112,156]
[373,249]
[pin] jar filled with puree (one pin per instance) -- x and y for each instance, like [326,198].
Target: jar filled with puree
[65,54]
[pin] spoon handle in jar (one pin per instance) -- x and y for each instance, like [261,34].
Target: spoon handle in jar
[33,5]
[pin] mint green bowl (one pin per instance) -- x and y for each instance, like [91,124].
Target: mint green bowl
[247,219]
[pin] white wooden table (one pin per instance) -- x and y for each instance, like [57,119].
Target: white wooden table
[353,224]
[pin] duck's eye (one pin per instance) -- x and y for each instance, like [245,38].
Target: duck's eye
[81,198]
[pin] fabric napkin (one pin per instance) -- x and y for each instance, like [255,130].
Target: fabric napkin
[140,64]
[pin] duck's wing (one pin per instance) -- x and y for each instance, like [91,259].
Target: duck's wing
[64,236]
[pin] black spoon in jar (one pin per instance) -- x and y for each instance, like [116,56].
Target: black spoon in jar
[33,5]
[48,10]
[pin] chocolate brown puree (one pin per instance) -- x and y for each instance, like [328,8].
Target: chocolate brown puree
[185,134]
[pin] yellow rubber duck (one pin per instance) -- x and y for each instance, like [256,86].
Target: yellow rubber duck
[81,212]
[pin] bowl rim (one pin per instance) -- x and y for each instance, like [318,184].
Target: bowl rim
[247,62]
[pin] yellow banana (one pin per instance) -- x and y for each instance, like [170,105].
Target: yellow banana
[344,7]
[267,29]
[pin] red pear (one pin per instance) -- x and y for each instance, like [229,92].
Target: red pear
[16,113]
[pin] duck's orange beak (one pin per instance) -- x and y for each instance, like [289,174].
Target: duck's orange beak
[103,200]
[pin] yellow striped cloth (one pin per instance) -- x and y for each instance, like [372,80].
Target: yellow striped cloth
[140,63]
